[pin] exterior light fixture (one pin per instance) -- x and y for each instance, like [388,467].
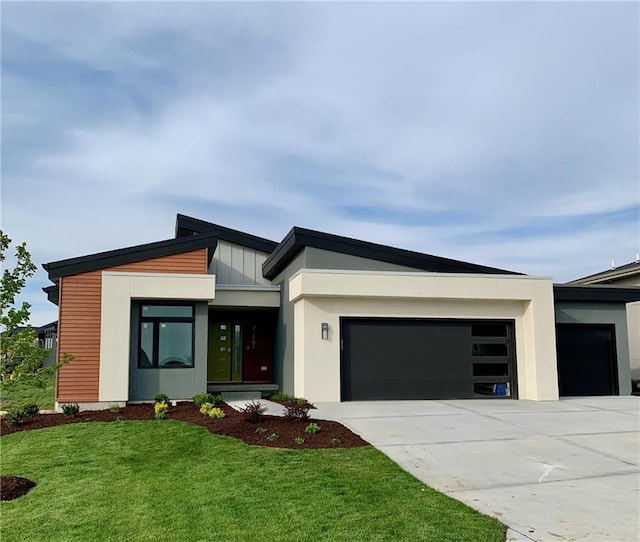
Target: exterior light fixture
[324,331]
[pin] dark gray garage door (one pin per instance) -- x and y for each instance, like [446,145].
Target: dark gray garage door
[426,359]
[586,359]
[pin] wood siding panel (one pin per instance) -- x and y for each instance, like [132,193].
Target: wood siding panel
[79,320]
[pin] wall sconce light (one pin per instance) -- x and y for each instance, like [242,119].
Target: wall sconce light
[324,331]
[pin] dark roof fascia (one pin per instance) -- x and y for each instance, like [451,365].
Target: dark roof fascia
[298,238]
[596,293]
[52,293]
[237,237]
[126,255]
[610,274]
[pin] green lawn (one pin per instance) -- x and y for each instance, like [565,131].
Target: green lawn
[22,394]
[171,481]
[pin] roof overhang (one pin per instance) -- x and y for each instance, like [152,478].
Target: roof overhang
[187,226]
[103,260]
[299,238]
[599,293]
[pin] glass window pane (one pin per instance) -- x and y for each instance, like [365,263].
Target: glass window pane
[490,349]
[146,344]
[171,311]
[175,344]
[490,369]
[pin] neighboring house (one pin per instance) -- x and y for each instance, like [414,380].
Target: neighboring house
[47,337]
[624,275]
[326,317]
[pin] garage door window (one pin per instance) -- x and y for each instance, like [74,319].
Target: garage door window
[490,355]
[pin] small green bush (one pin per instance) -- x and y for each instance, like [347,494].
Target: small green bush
[160,410]
[335,441]
[30,410]
[254,411]
[281,397]
[114,408]
[298,440]
[213,412]
[70,409]
[15,417]
[312,428]
[217,413]
[161,398]
[200,399]
[261,430]
[273,436]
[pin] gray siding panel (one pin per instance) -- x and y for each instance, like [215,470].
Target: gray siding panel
[176,383]
[318,258]
[602,313]
[237,265]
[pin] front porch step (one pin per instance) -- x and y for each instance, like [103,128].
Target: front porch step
[241,392]
[240,396]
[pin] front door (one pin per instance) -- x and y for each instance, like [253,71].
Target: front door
[224,362]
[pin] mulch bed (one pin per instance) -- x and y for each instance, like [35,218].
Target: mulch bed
[331,435]
[12,487]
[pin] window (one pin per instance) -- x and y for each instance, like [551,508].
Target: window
[166,336]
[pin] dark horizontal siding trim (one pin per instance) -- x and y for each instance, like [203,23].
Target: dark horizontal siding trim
[588,292]
[298,238]
[113,258]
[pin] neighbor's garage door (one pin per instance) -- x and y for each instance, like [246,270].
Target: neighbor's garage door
[426,359]
[586,359]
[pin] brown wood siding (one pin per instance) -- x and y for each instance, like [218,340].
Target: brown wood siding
[79,320]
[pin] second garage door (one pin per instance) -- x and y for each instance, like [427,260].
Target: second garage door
[426,359]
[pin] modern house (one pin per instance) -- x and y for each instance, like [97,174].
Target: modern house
[623,275]
[326,317]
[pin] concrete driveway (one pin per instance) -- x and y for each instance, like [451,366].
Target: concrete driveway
[562,470]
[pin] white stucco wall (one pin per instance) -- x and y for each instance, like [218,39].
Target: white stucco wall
[118,289]
[633,330]
[326,296]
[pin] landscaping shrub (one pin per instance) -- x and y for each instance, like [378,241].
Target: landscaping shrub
[160,410]
[208,409]
[254,411]
[312,428]
[161,398]
[296,411]
[200,399]
[298,440]
[273,436]
[30,410]
[70,409]
[15,417]
[281,397]
[216,412]
[261,430]
[114,408]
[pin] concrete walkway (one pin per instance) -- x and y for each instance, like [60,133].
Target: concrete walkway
[564,470]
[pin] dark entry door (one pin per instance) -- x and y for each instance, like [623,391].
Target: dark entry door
[224,360]
[426,359]
[586,359]
[257,350]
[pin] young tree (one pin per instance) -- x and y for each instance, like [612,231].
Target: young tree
[21,358]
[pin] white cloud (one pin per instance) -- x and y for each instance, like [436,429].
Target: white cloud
[266,116]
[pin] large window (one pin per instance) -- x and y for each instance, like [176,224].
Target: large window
[166,336]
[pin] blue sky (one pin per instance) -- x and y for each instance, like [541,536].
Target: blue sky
[500,133]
